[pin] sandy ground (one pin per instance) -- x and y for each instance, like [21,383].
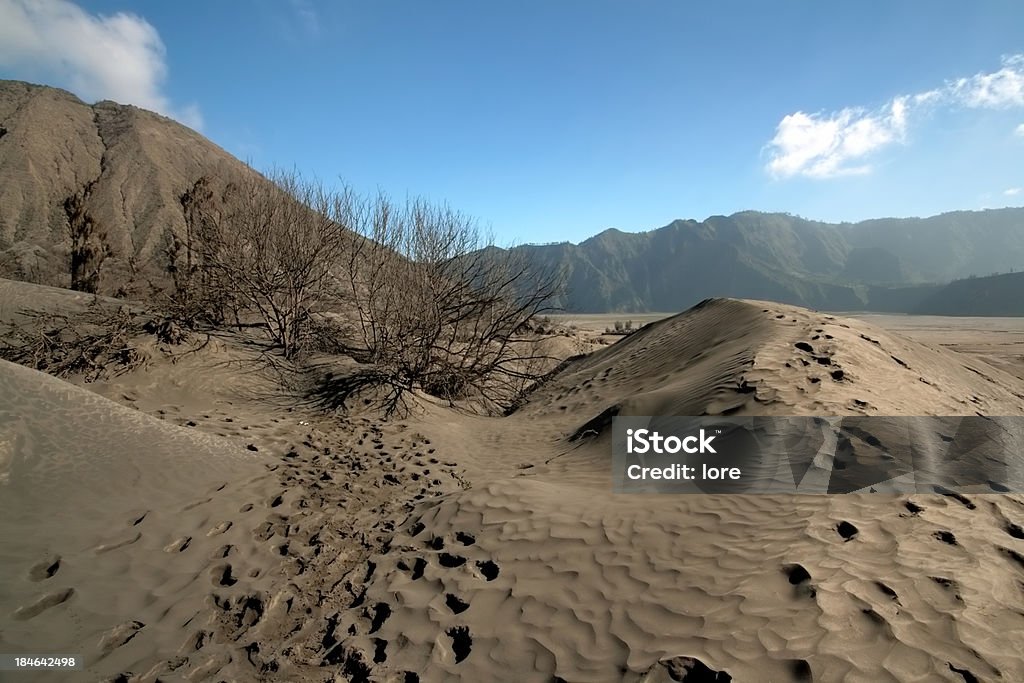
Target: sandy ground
[1000,341]
[197,521]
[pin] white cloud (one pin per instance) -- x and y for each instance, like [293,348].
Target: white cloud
[1013,191]
[1019,131]
[118,57]
[836,144]
[1000,89]
[825,146]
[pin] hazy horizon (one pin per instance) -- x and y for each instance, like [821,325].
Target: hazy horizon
[812,219]
[554,123]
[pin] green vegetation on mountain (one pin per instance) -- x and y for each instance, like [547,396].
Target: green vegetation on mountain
[874,265]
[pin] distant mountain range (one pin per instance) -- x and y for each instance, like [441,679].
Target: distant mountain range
[136,164]
[783,258]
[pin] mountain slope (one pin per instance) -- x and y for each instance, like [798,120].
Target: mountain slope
[997,295]
[54,145]
[782,258]
[949,246]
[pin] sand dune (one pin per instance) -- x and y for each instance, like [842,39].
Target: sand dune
[738,357]
[108,519]
[545,576]
[16,297]
[453,547]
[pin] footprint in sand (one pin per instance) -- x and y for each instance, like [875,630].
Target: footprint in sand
[1013,556]
[462,642]
[107,547]
[137,519]
[119,635]
[488,568]
[380,654]
[913,508]
[800,579]
[178,546]
[223,576]
[451,561]
[44,603]
[45,569]
[455,604]
[219,529]
[846,530]
[381,612]
[418,567]
[950,586]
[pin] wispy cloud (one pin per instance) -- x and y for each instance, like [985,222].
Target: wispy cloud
[307,16]
[821,145]
[1019,131]
[997,90]
[1013,191]
[119,57]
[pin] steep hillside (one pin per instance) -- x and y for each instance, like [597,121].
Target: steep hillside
[994,295]
[950,246]
[54,145]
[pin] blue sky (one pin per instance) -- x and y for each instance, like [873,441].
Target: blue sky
[553,120]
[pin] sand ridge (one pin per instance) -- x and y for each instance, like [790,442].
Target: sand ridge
[730,357]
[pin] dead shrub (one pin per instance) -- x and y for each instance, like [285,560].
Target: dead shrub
[97,341]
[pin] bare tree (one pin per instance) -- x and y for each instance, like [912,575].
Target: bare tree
[92,343]
[89,247]
[438,306]
[415,291]
[197,295]
[132,273]
[265,248]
